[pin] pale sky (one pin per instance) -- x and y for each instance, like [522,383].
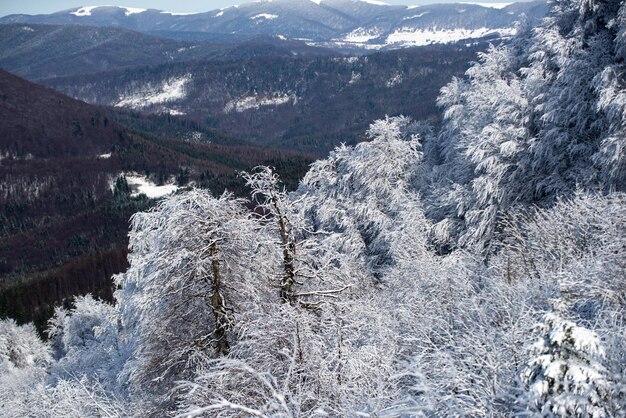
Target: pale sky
[49,6]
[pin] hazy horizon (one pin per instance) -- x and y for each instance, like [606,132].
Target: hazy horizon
[32,7]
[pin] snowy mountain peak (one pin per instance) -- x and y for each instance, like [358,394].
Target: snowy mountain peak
[489,5]
[87,10]
[83,11]
[375,2]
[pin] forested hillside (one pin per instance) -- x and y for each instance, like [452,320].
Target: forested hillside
[268,91]
[306,103]
[64,198]
[470,269]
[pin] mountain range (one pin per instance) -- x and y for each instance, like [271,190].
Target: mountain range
[39,51]
[310,103]
[340,24]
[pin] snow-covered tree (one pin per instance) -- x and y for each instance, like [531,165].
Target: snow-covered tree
[365,193]
[570,52]
[196,268]
[565,376]
[85,342]
[482,144]
[574,252]
[20,347]
[304,264]
[32,383]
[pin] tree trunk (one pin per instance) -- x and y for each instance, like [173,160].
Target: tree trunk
[217,305]
[289,250]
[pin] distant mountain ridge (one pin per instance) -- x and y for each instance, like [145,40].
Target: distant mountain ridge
[340,24]
[37,51]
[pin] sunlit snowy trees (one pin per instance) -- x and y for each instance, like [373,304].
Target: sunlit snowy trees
[405,276]
[370,203]
[329,335]
[85,341]
[306,266]
[489,128]
[537,118]
[29,387]
[192,274]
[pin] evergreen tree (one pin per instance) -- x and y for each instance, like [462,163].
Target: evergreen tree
[565,376]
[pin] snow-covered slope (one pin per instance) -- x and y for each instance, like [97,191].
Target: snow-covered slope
[168,91]
[366,24]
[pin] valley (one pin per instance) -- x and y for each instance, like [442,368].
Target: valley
[309,104]
[65,200]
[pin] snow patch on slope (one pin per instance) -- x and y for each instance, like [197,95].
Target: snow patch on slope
[143,185]
[267,16]
[344,44]
[169,91]
[490,5]
[255,102]
[415,16]
[394,80]
[419,37]
[133,10]
[180,13]
[86,11]
[376,2]
[354,78]
[362,35]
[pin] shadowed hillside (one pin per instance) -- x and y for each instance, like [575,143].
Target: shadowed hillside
[63,214]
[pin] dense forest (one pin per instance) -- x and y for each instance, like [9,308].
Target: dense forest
[470,269]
